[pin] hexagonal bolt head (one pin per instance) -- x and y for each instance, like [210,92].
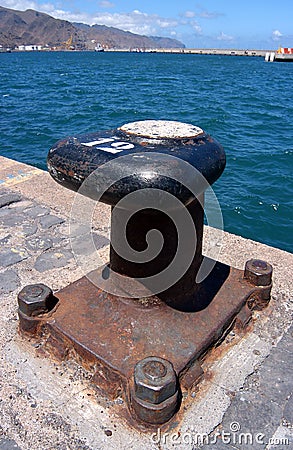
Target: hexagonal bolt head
[258,272]
[154,379]
[35,299]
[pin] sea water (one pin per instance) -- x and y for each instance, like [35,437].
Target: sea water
[243,102]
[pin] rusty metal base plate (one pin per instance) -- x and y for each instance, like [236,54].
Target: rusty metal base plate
[110,334]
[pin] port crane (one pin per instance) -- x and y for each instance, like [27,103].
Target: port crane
[69,43]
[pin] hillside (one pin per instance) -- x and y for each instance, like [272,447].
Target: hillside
[35,28]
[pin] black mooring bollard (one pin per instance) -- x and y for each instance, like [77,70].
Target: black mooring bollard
[173,157]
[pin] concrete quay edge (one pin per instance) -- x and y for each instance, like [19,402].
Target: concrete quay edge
[50,405]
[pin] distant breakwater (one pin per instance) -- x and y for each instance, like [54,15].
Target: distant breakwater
[200,51]
[186,51]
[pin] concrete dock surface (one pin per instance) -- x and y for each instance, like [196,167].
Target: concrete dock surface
[245,402]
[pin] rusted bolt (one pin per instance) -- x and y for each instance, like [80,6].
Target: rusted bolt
[155,395]
[155,414]
[258,272]
[154,380]
[35,299]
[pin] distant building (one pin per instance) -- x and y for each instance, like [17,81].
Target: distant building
[29,48]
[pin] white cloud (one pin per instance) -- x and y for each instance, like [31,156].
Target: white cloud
[210,15]
[189,14]
[276,35]
[225,37]
[21,5]
[203,14]
[106,4]
[196,27]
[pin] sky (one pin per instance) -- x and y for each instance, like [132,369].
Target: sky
[251,24]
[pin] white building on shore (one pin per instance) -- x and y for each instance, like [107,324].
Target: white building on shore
[29,48]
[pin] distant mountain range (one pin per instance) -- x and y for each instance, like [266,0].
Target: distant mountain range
[31,27]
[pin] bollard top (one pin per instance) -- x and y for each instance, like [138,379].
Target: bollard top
[161,129]
[157,154]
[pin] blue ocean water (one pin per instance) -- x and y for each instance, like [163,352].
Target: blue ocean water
[243,102]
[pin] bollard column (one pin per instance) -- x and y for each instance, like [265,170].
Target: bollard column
[182,292]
